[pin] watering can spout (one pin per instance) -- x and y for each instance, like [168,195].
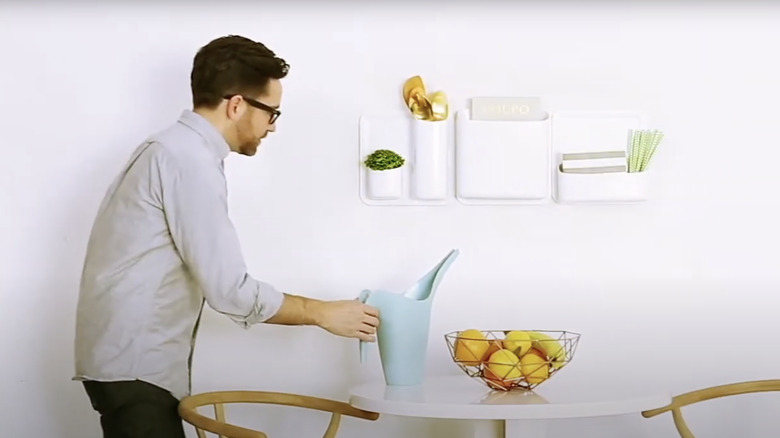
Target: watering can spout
[426,286]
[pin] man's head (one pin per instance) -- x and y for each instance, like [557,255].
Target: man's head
[236,85]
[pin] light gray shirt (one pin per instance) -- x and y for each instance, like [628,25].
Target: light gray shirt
[162,244]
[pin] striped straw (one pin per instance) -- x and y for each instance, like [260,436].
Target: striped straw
[642,147]
[656,140]
[632,162]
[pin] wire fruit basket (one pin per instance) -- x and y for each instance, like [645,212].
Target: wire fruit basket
[512,359]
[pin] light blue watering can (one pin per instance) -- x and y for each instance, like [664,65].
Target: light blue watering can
[404,324]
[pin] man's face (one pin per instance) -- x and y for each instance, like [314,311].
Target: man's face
[255,123]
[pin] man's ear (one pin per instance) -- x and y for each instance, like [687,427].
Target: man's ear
[234,107]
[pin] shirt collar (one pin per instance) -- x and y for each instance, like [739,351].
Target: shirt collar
[214,139]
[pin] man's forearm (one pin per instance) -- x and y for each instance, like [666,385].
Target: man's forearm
[297,310]
[349,318]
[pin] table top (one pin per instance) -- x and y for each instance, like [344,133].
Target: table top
[463,397]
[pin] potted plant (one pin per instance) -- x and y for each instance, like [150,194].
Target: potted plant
[385,174]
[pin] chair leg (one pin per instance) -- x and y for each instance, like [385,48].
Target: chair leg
[333,427]
[682,426]
[219,414]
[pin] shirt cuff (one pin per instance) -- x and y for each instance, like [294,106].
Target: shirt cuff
[267,304]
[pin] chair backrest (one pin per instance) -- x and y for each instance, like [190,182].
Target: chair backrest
[188,410]
[708,394]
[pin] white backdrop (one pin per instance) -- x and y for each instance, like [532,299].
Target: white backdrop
[677,293]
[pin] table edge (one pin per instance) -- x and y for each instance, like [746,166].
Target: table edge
[513,412]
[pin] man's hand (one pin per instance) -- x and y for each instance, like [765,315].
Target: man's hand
[348,318]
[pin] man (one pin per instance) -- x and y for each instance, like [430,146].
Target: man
[162,245]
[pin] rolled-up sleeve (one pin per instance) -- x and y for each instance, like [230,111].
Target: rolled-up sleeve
[194,200]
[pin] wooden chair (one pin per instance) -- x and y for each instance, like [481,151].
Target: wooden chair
[707,394]
[188,410]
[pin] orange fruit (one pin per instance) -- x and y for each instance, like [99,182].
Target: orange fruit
[492,348]
[494,381]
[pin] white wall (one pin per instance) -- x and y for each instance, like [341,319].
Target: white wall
[678,292]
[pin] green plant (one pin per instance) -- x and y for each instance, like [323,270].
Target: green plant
[384,159]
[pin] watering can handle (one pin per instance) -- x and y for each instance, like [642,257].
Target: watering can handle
[363,297]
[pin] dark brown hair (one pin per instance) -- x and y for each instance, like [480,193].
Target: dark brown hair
[233,65]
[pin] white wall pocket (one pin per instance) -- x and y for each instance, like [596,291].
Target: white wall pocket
[500,162]
[425,175]
[614,187]
[596,134]
[429,159]
[385,184]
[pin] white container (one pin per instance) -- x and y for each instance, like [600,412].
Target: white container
[429,159]
[617,187]
[502,162]
[385,184]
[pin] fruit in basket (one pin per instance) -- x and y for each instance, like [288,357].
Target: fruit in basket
[495,345]
[470,347]
[503,366]
[494,381]
[550,347]
[534,367]
[507,361]
[518,341]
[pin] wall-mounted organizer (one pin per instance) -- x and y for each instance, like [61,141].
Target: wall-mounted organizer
[502,162]
[569,157]
[424,177]
[591,157]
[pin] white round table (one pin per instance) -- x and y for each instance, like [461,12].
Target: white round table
[514,414]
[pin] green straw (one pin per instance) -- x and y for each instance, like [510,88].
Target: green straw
[656,140]
[642,146]
[632,163]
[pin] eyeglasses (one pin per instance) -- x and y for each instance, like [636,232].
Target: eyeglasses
[275,113]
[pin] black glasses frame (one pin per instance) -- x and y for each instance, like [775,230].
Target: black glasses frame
[275,113]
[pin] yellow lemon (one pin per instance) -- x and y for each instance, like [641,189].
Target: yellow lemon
[534,367]
[503,365]
[470,347]
[518,341]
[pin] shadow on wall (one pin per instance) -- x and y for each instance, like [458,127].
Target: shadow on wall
[166,86]
[63,220]
[68,217]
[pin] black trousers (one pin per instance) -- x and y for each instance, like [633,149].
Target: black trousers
[135,409]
